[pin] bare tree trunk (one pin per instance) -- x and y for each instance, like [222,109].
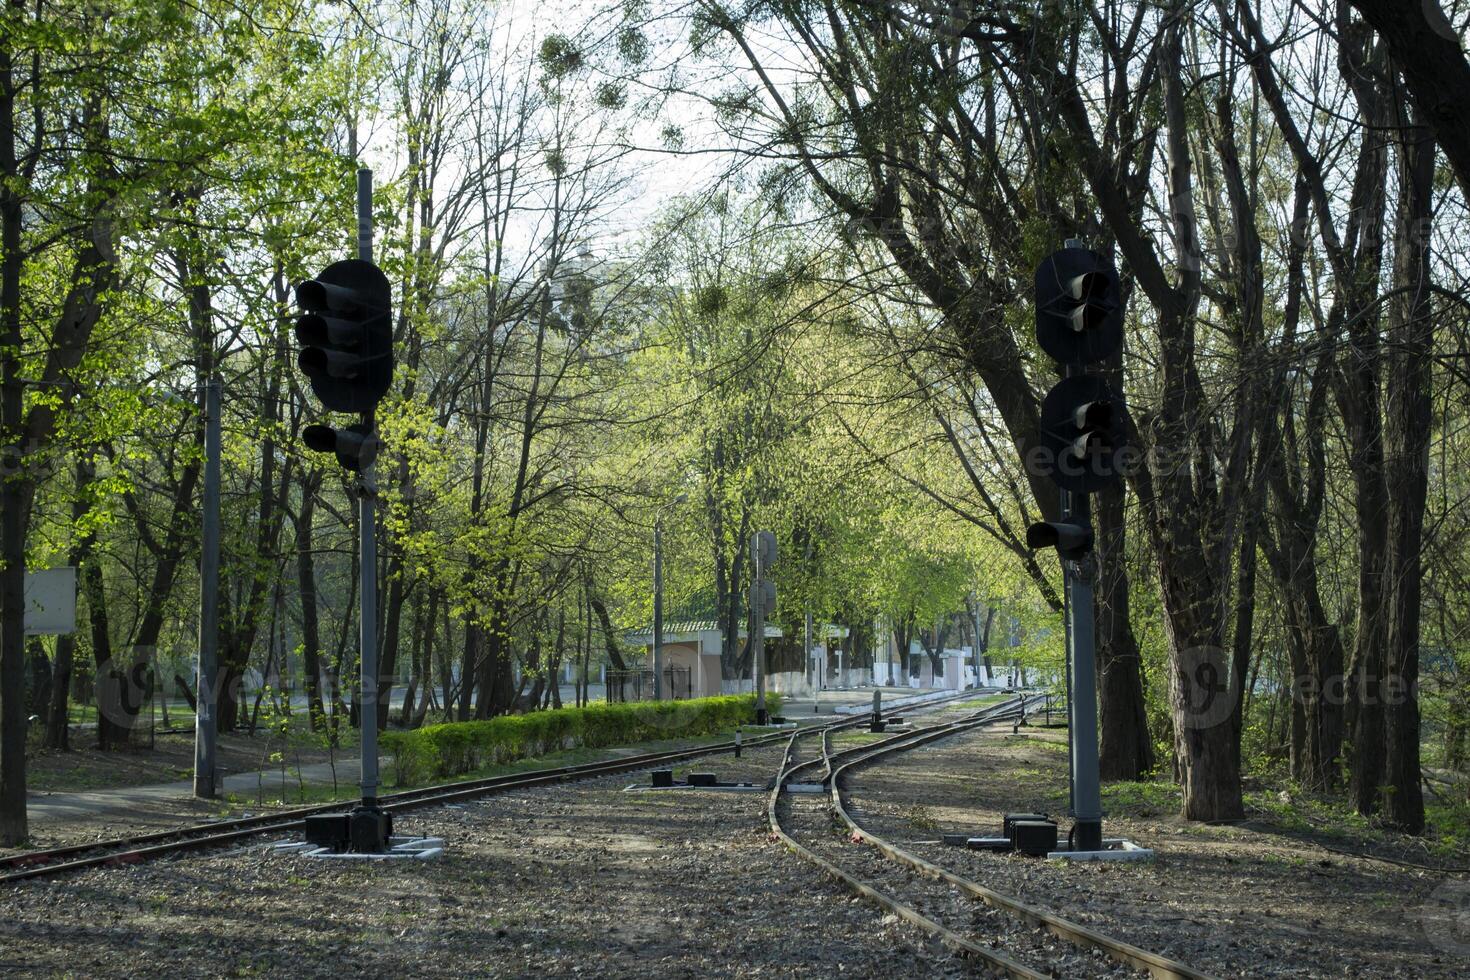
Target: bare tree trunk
[415,660]
[388,637]
[1410,422]
[311,642]
[1125,751]
[614,648]
[554,668]
[1428,51]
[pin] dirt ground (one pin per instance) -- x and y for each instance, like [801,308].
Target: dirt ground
[584,879]
[1243,901]
[587,879]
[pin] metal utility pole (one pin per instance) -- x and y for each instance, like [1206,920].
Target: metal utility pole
[757,631]
[1067,676]
[206,718]
[974,605]
[658,596]
[762,602]
[1086,794]
[368,549]
[658,607]
[807,617]
[1082,655]
[811,661]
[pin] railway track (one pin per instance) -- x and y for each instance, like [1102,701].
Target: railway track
[1003,934]
[144,847]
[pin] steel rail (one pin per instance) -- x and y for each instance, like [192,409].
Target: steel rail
[142,847]
[1156,964]
[1003,965]
[128,850]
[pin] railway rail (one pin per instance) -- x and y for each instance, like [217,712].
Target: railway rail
[823,828]
[143,847]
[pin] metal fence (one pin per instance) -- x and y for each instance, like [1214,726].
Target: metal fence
[637,685]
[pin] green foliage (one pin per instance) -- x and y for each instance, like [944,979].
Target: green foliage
[560,56]
[459,747]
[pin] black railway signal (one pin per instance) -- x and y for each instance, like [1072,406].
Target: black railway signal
[1079,309]
[346,335]
[1079,321]
[765,548]
[1080,431]
[1072,541]
[355,446]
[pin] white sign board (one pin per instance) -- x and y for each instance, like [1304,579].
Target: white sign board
[51,601]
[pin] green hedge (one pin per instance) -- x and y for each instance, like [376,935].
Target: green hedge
[438,751]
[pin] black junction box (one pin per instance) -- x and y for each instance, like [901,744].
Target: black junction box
[1037,838]
[702,779]
[1011,818]
[370,830]
[328,830]
[663,778]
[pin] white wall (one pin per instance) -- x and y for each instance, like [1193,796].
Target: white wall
[791,683]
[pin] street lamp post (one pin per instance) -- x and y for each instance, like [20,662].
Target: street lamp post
[658,597]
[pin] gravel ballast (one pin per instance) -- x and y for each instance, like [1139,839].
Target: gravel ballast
[585,879]
[581,879]
[1226,900]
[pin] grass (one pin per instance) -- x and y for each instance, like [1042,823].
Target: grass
[180,715]
[1047,745]
[1145,798]
[984,702]
[1285,808]
[347,789]
[1450,823]
[1290,809]
[921,818]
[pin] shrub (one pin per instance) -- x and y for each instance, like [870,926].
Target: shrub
[437,751]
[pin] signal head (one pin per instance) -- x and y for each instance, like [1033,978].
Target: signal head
[1079,311]
[356,447]
[346,335]
[1072,541]
[1080,431]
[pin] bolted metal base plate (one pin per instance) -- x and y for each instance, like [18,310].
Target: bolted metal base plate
[686,788]
[399,848]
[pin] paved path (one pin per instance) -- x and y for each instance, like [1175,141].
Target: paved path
[134,799]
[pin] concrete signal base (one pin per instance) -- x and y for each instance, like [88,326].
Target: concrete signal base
[1114,849]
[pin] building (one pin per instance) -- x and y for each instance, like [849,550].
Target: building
[691,657]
